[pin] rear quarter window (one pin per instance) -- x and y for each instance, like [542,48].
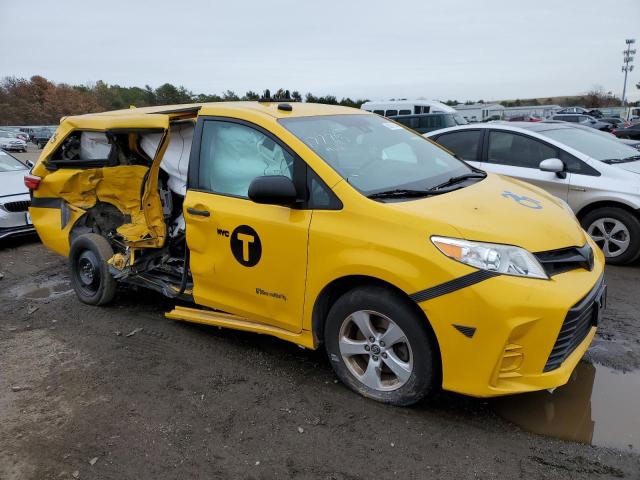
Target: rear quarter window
[95,149]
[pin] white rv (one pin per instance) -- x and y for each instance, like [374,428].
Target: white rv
[393,108]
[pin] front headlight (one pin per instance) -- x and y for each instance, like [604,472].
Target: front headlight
[494,257]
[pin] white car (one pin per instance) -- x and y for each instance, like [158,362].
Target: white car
[595,173]
[9,141]
[14,197]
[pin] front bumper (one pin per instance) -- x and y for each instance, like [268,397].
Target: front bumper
[519,324]
[16,231]
[14,216]
[15,147]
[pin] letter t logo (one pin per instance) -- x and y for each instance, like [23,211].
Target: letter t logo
[246,240]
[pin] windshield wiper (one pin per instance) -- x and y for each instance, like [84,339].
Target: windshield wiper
[458,179]
[399,193]
[405,193]
[632,158]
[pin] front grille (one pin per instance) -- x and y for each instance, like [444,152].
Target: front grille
[566,259]
[576,325]
[21,206]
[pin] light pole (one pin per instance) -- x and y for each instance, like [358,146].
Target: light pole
[628,65]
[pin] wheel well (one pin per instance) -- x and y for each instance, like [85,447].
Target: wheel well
[594,206]
[102,218]
[339,287]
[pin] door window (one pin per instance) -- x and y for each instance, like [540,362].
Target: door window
[507,148]
[464,143]
[233,155]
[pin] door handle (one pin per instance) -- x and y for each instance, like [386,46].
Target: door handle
[194,211]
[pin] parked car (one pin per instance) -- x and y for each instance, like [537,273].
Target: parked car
[631,132]
[427,122]
[10,142]
[14,197]
[581,111]
[28,131]
[524,118]
[41,136]
[321,224]
[574,110]
[21,135]
[392,108]
[586,120]
[595,173]
[632,143]
[617,122]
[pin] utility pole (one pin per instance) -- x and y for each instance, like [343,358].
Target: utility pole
[628,65]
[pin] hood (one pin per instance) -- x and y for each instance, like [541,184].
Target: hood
[502,210]
[629,167]
[12,183]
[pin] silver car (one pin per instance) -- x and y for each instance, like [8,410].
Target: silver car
[9,141]
[595,173]
[14,197]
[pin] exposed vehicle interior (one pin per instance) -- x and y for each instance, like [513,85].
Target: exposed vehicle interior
[117,183]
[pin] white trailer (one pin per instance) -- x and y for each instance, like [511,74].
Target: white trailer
[478,112]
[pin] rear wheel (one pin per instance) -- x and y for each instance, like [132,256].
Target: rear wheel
[616,232]
[380,347]
[90,275]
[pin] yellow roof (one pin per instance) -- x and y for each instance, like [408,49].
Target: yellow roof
[215,108]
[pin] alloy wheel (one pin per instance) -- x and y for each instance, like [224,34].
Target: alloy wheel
[611,235]
[375,350]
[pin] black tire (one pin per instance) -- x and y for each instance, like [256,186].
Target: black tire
[418,343]
[630,222]
[90,277]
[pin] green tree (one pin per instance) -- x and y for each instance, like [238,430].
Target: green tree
[168,94]
[230,96]
[251,95]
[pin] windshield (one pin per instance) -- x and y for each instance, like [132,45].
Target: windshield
[595,144]
[10,164]
[460,120]
[374,154]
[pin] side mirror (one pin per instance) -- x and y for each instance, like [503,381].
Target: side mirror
[554,165]
[273,190]
[30,164]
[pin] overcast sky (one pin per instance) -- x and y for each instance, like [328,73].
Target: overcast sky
[466,49]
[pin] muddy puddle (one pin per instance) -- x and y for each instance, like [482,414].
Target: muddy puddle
[598,406]
[42,290]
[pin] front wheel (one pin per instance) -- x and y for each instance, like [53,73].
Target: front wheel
[380,347]
[616,232]
[90,277]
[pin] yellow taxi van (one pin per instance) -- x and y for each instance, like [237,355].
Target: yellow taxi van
[326,225]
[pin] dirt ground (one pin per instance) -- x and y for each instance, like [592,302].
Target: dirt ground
[120,392]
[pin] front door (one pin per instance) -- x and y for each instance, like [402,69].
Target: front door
[519,156]
[247,259]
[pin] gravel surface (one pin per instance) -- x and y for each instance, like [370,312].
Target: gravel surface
[120,392]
